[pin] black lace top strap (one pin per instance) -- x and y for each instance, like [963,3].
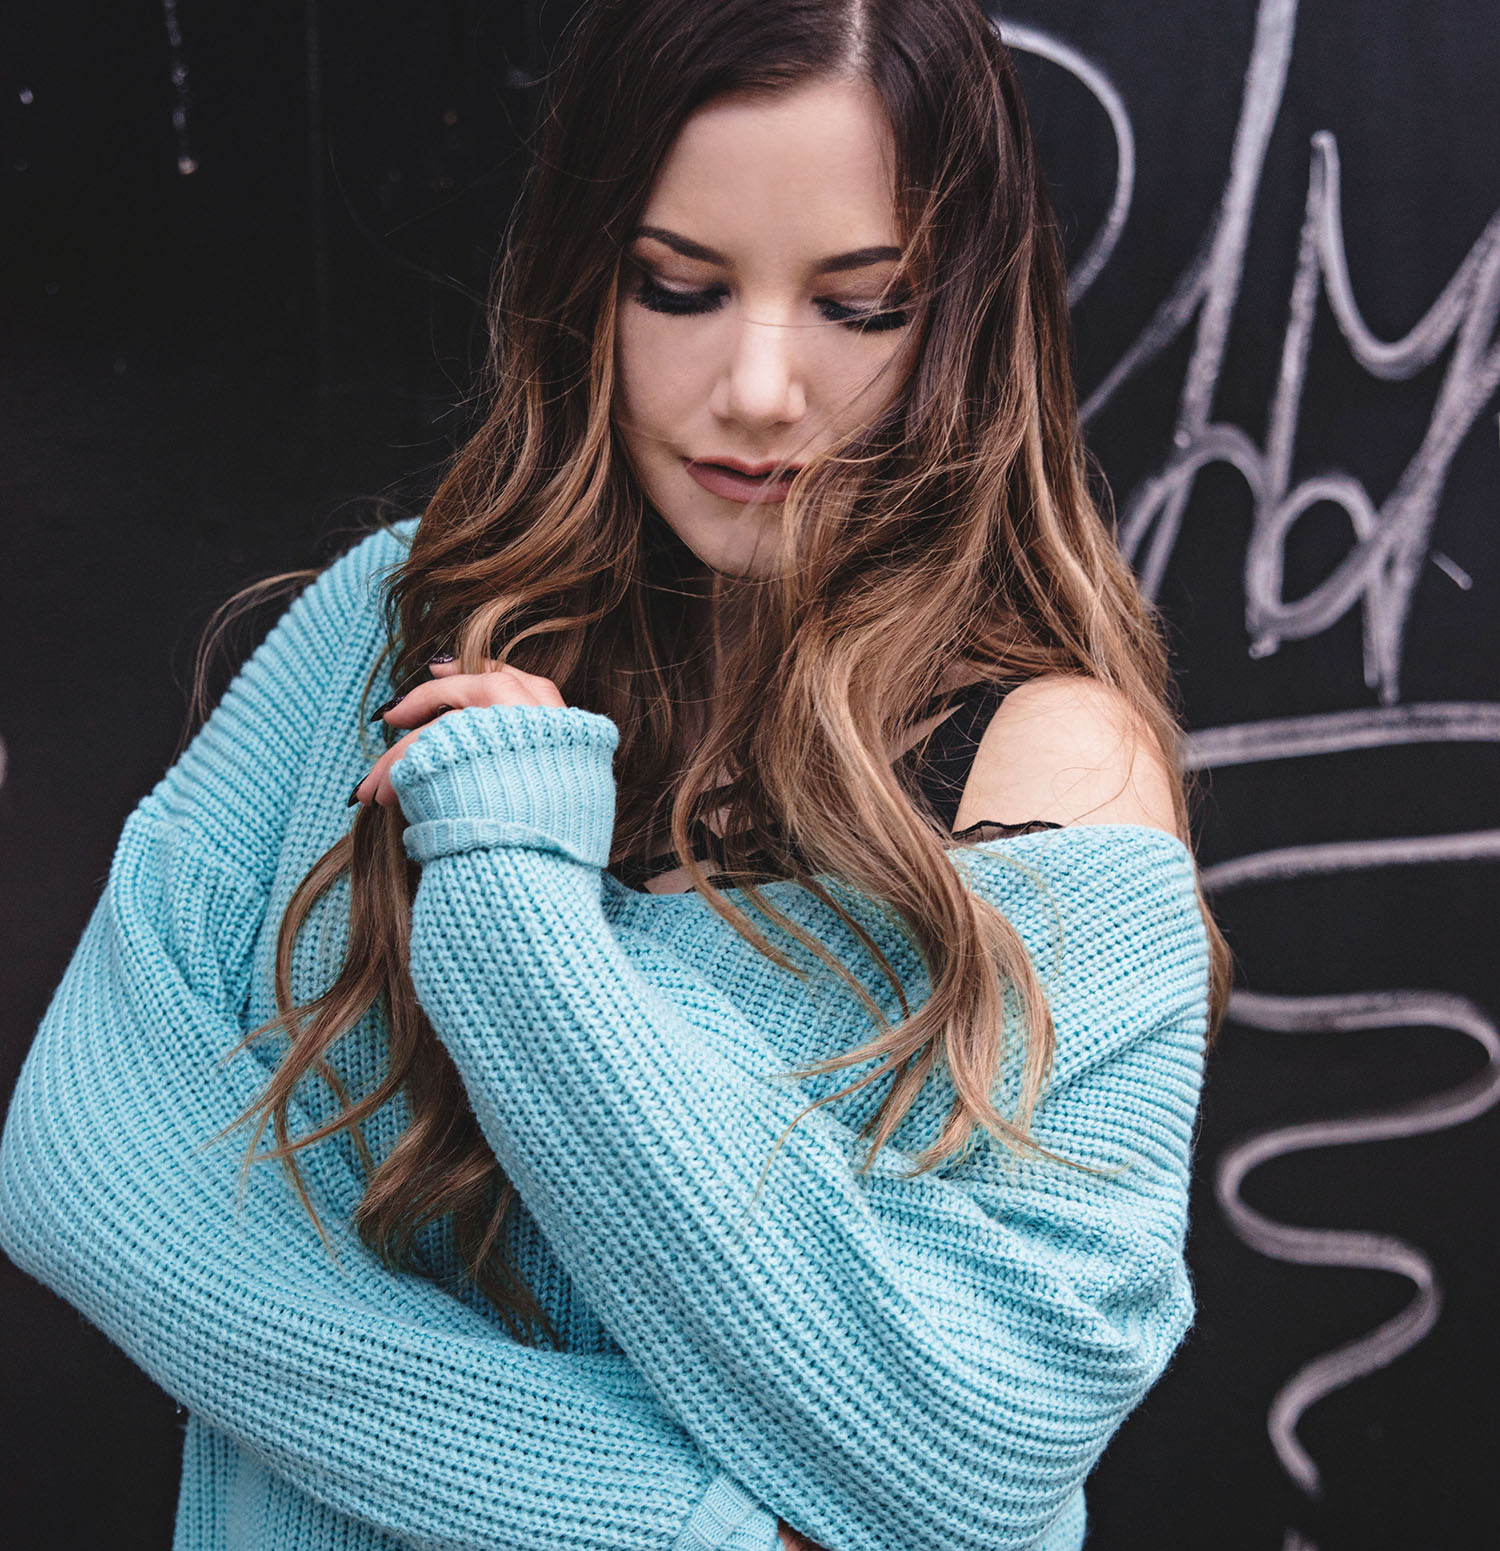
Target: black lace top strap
[707,847]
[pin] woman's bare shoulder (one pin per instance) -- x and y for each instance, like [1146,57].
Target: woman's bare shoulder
[1068,748]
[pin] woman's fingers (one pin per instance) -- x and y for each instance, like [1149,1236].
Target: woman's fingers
[449,690]
[543,690]
[454,691]
[373,786]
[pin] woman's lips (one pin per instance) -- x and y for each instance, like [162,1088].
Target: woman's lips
[720,481]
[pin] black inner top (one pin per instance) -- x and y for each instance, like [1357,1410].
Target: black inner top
[936,768]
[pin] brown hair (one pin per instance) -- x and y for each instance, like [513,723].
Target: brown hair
[954,535]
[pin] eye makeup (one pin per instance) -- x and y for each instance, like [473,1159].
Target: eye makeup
[655,297]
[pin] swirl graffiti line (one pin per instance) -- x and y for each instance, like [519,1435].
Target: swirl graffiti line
[1296,737]
[1346,1247]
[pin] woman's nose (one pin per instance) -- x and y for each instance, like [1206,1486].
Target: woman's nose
[762,383]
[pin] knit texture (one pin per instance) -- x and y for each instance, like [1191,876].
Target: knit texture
[888,1364]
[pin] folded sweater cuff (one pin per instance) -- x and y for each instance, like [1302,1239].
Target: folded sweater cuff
[728,1518]
[520,775]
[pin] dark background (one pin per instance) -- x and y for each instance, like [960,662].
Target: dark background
[222,339]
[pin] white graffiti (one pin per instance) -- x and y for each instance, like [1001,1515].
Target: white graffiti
[1031,40]
[1347,1247]
[1295,737]
[1390,542]
[1286,737]
[1349,856]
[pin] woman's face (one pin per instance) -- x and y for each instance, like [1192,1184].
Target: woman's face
[749,325]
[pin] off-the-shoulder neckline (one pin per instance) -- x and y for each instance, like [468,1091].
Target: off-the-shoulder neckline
[1147,834]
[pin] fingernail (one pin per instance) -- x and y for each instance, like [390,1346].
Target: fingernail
[442,657]
[381,710]
[352,798]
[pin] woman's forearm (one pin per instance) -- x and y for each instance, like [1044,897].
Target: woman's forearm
[377,1394]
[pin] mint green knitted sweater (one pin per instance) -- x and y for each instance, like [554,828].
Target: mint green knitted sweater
[889,1364]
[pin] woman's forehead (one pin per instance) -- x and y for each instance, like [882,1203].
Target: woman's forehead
[806,175]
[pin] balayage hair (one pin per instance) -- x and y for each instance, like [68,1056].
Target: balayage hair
[953,538]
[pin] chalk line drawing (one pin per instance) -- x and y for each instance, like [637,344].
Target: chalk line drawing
[1295,737]
[1352,855]
[1332,732]
[1045,45]
[1389,544]
[1340,1246]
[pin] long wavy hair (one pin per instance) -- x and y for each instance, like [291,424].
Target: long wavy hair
[955,537]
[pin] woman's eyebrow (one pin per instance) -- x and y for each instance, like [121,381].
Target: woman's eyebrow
[860,258]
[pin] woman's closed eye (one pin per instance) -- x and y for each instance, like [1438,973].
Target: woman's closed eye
[651,294]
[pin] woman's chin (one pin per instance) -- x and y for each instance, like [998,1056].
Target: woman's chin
[747,547]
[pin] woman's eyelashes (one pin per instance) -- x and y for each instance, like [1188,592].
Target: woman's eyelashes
[659,298]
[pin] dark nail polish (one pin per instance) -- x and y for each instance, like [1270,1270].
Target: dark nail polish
[443,657]
[352,798]
[381,710]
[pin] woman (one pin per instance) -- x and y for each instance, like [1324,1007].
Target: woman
[782,466]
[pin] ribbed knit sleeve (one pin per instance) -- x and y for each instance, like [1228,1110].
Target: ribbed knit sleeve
[377,1394]
[932,1364]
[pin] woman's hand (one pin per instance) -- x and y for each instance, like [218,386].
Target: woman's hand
[792,1540]
[448,690]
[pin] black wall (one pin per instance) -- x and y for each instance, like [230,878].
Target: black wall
[220,338]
